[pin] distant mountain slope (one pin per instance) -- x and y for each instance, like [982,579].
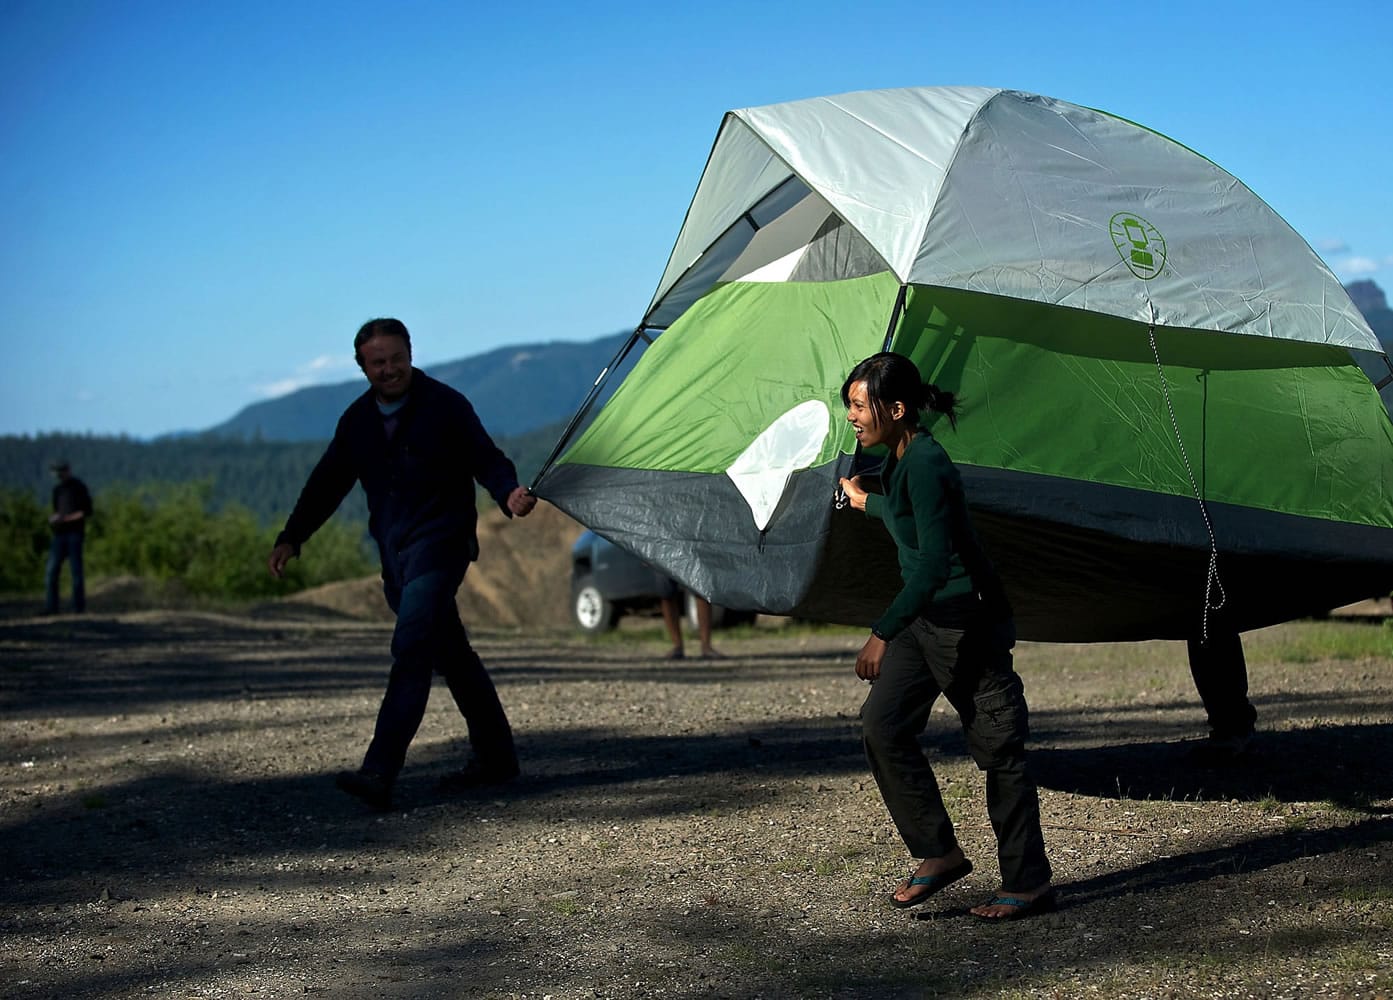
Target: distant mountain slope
[1369,299]
[514,389]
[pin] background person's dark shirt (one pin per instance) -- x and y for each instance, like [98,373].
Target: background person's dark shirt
[71,496]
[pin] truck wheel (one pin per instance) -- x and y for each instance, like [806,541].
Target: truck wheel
[592,612]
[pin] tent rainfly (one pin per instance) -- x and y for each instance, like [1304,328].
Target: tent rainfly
[1169,403]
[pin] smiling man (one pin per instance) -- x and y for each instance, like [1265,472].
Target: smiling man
[418,448]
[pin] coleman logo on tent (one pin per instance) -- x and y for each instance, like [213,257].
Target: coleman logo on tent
[1140,244]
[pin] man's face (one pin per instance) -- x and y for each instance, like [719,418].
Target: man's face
[386,361]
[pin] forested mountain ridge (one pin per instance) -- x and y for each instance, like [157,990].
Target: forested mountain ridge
[524,394]
[514,390]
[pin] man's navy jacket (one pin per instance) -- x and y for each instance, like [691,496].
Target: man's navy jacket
[419,484]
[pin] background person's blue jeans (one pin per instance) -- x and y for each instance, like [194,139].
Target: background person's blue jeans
[65,545]
[430,638]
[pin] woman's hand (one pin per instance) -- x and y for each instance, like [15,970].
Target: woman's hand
[855,495]
[868,660]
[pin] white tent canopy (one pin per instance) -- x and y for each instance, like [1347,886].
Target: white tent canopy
[1010,194]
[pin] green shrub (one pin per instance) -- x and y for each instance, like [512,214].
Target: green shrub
[24,538]
[169,531]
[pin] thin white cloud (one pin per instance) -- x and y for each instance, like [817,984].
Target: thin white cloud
[84,395]
[323,368]
[282,388]
[1355,267]
[1332,246]
[328,363]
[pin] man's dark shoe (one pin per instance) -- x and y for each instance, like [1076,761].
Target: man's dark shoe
[1221,751]
[476,774]
[373,789]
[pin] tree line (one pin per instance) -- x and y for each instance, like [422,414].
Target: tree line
[174,532]
[202,511]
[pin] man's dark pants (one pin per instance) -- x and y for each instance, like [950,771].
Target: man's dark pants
[973,669]
[1220,673]
[65,545]
[430,638]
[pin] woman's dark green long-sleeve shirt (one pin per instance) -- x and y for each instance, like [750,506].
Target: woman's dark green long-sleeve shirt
[941,559]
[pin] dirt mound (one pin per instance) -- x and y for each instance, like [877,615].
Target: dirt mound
[1379,607]
[360,599]
[522,578]
[117,594]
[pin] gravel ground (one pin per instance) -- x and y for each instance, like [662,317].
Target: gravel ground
[683,829]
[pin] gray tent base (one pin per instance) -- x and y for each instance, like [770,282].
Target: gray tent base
[697,528]
[1149,554]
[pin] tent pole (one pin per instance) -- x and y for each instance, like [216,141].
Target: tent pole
[1387,380]
[895,314]
[589,401]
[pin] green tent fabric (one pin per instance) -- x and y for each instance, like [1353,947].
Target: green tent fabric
[1169,403]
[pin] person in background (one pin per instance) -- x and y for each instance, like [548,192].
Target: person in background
[1220,673]
[72,506]
[948,631]
[418,448]
[671,603]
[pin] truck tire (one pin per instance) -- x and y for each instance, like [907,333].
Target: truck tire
[592,611]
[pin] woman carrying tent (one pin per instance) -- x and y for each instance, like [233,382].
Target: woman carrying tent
[948,631]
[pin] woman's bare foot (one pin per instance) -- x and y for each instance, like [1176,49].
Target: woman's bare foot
[932,875]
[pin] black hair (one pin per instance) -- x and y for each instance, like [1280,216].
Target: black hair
[383,327]
[892,378]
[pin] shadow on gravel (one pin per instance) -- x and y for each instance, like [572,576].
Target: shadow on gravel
[135,829]
[96,664]
[1342,764]
[73,843]
[105,666]
[1243,857]
[174,827]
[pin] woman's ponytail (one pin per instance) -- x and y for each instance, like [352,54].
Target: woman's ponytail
[941,401]
[891,378]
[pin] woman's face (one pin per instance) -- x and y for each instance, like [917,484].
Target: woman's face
[870,429]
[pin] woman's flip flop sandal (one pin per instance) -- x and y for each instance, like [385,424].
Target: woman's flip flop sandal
[932,883]
[1043,903]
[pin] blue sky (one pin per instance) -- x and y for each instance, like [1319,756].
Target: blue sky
[202,201]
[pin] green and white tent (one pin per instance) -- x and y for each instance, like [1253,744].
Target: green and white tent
[1169,402]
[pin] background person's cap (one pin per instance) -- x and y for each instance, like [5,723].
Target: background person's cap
[59,465]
